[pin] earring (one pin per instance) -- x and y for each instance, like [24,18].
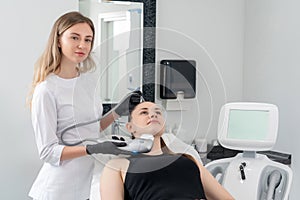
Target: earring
[132,135]
[80,65]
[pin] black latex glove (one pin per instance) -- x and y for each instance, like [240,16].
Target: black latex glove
[128,103]
[107,148]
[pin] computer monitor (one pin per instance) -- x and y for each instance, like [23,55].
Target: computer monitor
[248,126]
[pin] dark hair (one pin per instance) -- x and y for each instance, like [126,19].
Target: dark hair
[131,109]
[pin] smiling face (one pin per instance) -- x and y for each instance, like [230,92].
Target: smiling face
[76,43]
[146,118]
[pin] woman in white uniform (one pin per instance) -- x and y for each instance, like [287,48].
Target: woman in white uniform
[63,92]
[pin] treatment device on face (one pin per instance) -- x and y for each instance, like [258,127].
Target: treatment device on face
[137,145]
[142,144]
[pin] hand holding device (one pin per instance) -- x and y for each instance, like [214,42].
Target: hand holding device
[118,146]
[107,147]
[139,145]
[123,108]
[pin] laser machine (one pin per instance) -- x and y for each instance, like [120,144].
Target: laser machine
[250,127]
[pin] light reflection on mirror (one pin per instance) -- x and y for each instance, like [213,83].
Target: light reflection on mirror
[118,46]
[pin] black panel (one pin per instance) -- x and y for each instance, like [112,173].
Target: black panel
[175,76]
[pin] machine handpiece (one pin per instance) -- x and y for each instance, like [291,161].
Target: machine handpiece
[139,145]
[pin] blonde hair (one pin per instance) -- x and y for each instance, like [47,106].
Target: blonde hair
[49,61]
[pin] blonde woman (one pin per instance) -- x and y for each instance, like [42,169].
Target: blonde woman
[63,91]
[159,174]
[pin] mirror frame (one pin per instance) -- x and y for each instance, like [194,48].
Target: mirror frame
[148,51]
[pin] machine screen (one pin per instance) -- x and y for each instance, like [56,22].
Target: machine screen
[248,124]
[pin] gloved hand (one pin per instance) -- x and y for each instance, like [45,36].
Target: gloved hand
[107,147]
[128,103]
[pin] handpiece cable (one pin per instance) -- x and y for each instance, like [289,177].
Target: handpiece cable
[90,122]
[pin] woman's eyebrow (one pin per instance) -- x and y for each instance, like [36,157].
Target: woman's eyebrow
[143,108]
[156,108]
[73,33]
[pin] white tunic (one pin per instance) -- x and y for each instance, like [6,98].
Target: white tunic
[58,103]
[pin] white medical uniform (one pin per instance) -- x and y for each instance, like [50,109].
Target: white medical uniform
[58,103]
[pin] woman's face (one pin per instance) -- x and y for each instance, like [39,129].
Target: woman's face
[76,43]
[146,118]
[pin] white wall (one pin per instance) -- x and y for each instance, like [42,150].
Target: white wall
[255,45]
[25,27]
[212,33]
[271,69]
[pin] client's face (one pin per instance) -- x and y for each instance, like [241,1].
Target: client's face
[146,118]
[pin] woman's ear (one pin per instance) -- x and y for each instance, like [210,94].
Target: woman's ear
[129,127]
[58,43]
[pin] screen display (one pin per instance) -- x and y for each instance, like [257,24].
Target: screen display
[248,124]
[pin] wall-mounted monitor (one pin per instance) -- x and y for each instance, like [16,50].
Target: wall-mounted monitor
[177,76]
[248,126]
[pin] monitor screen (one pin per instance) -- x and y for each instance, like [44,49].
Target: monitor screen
[248,124]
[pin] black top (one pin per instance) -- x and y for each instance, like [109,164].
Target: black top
[164,176]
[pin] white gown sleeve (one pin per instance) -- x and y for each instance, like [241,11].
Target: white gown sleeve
[44,122]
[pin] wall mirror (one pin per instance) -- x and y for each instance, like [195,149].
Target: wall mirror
[124,46]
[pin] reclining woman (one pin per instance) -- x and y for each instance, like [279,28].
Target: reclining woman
[159,174]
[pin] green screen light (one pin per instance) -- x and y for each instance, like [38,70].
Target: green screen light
[248,124]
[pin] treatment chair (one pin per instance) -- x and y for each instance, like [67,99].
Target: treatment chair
[250,127]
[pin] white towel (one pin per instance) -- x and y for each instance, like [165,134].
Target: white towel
[178,146]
